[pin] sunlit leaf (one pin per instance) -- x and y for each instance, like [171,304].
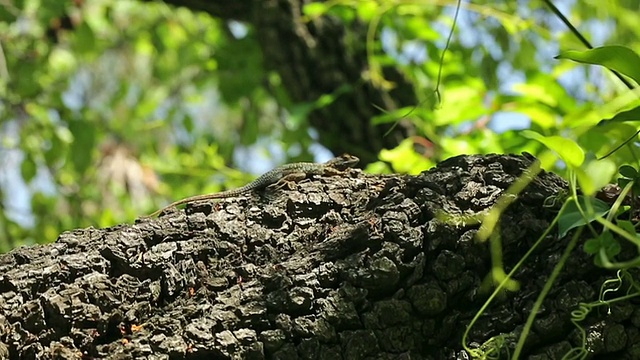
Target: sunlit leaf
[404,159]
[567,149]
[421,28]
[537,92]
[595,175]
[628,115]
[367,10]
[615,57]
[315,9]
[542,116]
[593,114]
[62,61]
[460,103]
[602,138]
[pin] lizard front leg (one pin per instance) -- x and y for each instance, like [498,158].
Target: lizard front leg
[287,181]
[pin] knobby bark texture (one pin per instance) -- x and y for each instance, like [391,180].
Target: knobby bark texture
[320,57]
[353,266]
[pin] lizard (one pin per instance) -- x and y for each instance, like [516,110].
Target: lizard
[280,174]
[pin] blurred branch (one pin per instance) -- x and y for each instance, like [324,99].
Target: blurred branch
[4,72]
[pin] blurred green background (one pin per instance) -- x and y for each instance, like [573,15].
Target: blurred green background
[111,109]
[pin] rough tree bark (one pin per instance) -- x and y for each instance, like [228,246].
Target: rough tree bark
[317,58]
[343,267]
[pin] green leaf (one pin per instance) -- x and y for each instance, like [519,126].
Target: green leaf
[595,175]
[24,82]
[610,244]
[614,57]
[628,171]
[8,14]
[84,141]
[572,218]
[419,27]
[626,226]
[404,158]
[628,115]
[56,152]
[50,10]
[567,149]
[315,10]
[623,182]
[62,61]
[592,246]
[367,10]
[28,168]
[461,103]
[605,242]
[544,88]
[85,40]
[536,92]
[239,77]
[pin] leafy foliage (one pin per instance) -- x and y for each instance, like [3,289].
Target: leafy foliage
[77,99]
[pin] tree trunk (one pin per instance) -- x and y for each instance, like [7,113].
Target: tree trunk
[321,57]
[351,266]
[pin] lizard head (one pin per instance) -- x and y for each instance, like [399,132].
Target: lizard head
[343,162]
